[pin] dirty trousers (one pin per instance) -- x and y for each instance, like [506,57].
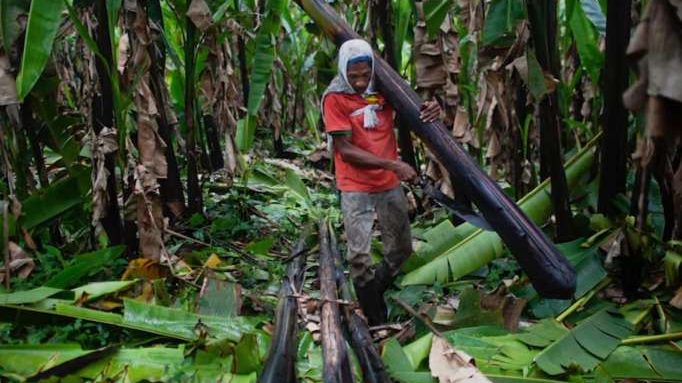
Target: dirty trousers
[359,211]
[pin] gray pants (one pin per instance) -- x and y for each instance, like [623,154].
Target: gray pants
[359,211]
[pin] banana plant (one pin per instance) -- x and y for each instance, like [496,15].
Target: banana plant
[262,66]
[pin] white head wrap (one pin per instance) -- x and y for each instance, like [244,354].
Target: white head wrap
[353,49]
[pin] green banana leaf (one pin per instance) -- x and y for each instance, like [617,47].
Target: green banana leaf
[402,15]
[448,258]
[159,320]
[28,296]
[595,14]
[44,18]
[494,349]
[586,40]
[95,290]
[418,350]
[47,204]
[127,364]
[27,360]
[183,324]
[659,364]
[10,11]
[399,365]
[87,292]
[263,63]
[435,12]
[501,20]
[586,345]
[83,265]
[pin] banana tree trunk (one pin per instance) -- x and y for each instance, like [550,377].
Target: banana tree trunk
[336,363]
[616,78]
[542,16]
[103,117]
[551,274]
[373,370]
[171,187]
[280,366]
[195,200]
[152,165]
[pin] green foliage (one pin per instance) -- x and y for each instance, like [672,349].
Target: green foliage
[672,264]
[47,204]
[28,296]
[402,15]
[10,12]
[263,63]
[586,39]
[501,20]
[642,363]
[595,14]
[537,82]
[479,247]
[399,366]
[435,12]
[470,313]
[43,22]
[586,345]
[84,265]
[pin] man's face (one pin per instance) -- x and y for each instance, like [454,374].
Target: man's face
[359,75]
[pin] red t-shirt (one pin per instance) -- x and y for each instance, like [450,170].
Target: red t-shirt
[340,119]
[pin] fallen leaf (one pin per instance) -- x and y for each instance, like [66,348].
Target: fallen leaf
[452,366]
[144,268]
[20,264]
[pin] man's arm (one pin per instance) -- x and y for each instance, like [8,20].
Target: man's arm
[362,158]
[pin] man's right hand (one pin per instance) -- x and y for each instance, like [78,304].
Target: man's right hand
[404,171]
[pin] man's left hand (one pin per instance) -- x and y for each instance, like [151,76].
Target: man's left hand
[430,111]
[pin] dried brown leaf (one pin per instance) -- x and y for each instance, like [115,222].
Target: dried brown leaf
[449,365]
[8,86]
[200,14]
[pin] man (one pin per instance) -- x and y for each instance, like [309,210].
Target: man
[368,174]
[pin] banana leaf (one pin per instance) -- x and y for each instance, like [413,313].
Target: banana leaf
[501,21]
[551,274]
[10,12]
[46,204]
[399,365]
[87,292]
[153,319]
[44,18]
[435,12]
[659,364]
[586,38]
[263,63]
[150,364]
[28,296]
[586,345]
[453,258]
[83,265]
[95,290]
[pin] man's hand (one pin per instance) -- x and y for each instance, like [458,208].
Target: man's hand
[430,111]
[404,171]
